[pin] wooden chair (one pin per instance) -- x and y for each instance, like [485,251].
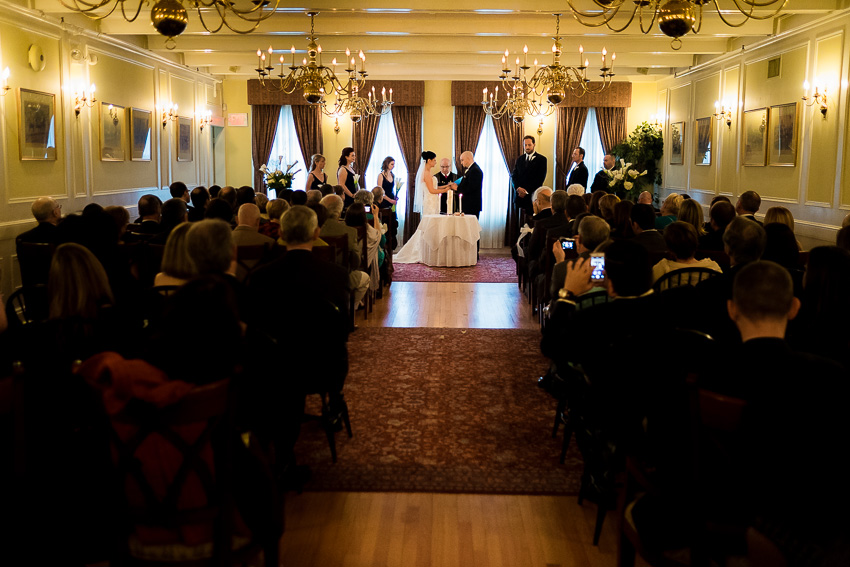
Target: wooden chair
[722,258]
[683,276]
[249,257]
[34,261]
[327,420]
[199,429]
[27,305]
[340,246]
[364,265]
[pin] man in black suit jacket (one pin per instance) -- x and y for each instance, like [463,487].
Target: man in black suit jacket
[48,213]
[470,186]
[643,225]
[579,173]
[529,174]
[444,177]
[748,205]
[600,181]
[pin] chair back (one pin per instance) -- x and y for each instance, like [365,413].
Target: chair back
[34,261]
[27,305]
[325,253]
[249,257]
[364,253]
[683,276]
[719,256]
[340,246]
[590,299]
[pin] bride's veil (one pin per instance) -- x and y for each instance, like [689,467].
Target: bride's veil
[418,191]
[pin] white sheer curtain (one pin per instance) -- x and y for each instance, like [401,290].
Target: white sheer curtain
[494,203]
[286,150]
[386,144]
[592,144]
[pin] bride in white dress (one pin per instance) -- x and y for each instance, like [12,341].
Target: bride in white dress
[427,202]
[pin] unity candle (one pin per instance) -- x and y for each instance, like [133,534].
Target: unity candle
[450,202]
[460,198]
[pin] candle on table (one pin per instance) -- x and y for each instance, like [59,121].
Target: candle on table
[460,198]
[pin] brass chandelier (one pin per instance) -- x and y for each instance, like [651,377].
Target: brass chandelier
[548,86]
[317,81]
[170,17]
[675,17]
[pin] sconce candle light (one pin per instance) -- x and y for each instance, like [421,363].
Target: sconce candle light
[723,112]
[6,86]
[169,113]
[819,97]
[83,98]
[656,123]
[205,119]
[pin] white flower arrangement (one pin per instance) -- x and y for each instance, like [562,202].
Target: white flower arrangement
[277,178]
[623,177]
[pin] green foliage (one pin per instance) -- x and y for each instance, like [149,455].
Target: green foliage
[643,148]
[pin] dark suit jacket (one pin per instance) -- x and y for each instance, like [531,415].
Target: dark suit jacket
[600,182]
[579,175]
[471,186]
[537,245]
[652,241]
[529,175]
[45,232]
[445,180]
[753,218]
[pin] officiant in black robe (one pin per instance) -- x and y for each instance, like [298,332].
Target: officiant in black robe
[444,177]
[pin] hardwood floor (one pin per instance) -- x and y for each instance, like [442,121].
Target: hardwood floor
[444,530]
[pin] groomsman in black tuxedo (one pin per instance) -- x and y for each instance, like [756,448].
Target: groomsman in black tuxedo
[579,173]
[528,176]
[600,181]
[470,185]
[444,177]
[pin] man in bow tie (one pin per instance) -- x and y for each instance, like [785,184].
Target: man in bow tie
[529,175]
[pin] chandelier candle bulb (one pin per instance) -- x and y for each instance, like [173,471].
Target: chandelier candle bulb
[525,52]
[604,53]
[613,58]
[391,95]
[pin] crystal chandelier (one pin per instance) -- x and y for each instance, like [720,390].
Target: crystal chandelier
[170,18]
[549,84]
[675,17]
[318,81]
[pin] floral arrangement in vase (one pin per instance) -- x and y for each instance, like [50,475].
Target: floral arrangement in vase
[278,179]
[623,180]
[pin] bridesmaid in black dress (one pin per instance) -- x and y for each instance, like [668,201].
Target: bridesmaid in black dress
[386,181]
[345,176]
[317,176]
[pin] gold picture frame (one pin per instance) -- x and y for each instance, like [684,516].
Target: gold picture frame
[184,138]
[754,140]
[703,134]
[784,120]
[36,125]
[677,143]
[140,134]
[112,122]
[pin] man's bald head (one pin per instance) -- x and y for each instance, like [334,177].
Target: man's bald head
[249,215]
[445,162]
[543,196]
[466,159]
[645,198]
[46,209]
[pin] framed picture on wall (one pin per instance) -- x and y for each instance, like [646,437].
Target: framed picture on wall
[140,134]
[783,135]
[754,143]
[184,139]
[702,141]
[677,143]
[111,132]
[36,125]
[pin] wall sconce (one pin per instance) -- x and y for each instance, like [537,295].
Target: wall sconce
[6,86]
[205,119]
[540,127]
[169,113]
[83,98]
[336,124]
[723,112]
[656,122]
[817,98]
[113,113]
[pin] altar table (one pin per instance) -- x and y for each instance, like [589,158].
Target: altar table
[450,240]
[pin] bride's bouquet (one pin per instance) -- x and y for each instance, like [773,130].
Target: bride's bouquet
[278,179]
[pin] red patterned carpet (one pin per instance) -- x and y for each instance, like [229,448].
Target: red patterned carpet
[490,269]
[444,410]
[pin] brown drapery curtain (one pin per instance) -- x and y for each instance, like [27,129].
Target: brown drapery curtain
[612,126]
[509,136]
[469,121]
[365,132]
[408,129]
[570,128]
[308,128]
[264,124]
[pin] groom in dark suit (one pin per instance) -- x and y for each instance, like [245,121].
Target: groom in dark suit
[470,185]
[528,175]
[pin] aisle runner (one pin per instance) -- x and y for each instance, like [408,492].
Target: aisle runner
[490,269]
[444,410]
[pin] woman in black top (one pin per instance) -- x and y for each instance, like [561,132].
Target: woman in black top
[386,181]
[317,176]
[345,176]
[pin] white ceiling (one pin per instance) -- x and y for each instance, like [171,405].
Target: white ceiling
[403,39]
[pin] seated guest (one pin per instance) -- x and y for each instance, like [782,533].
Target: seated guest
[321,218]
[214,191]
[313,197]
[150,213]
[681,239]
[211,247]
[228,195]
[622,220]
[781,247]
[643,225]
[669,210]
[48,214]
[298,197]
[244,194]
[748,205]
[121,216]
[842,239]
[576,189]
[262,201]
[537,242]
[720,215]
[356,216]
[177,266]
[781,215]
[645,198]
[275,209]
[575,207]
[247,233]
[606,207]
[339,190]
[593,207]
[691,212]
[179,190]
[200,199]
[541,203]
[219,209]
[174,212]
[359,280]
[592,233]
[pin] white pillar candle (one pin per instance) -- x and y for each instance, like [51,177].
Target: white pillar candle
[460,197]
[450,202]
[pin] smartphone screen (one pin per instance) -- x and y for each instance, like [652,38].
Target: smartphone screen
[368,209]
[568,244]
[597,264]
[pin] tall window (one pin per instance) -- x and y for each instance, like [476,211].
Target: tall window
[386,144]
[286,150]
[592,144]
[494,200]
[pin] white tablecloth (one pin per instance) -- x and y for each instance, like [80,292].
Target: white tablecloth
[450,240]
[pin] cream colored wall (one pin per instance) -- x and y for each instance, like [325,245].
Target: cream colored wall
[644,105]
[438,120]
[813,188]
[238,158]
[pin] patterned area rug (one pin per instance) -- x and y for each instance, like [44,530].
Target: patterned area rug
[444,410]
[490,269]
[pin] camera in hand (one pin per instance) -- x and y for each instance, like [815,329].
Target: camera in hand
[567,243]
[368,208]
[597,265]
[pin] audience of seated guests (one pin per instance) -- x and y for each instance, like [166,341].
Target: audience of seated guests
[681,239]
[720,215]
[781,215]
[174,212]
[621,223]
[690,212]
[748,205]
[179,190]
[200,199]
[177,266]
[606,207]
[669,210]
[355,216]
[643,225]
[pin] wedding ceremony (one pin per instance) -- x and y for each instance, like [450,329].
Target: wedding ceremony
[393,284]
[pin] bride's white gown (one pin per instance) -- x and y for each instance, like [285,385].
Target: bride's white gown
[411,252]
